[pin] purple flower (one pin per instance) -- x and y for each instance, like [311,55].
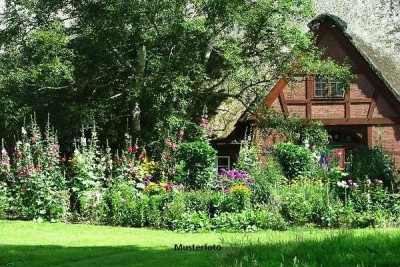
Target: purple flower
[222,170]
[355,185]
[350,181]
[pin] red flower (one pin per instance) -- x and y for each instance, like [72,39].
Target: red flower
[132,149]
[168,186]
[37,167]
[118,162]
[33,138]
[166,155]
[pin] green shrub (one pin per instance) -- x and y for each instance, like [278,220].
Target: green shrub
[237,200]
[372,163]
[154,213]
[121,201]
[295,160]
[197,160]
[208,202]
[235,222]
[3,200]
[269,217]
[267,179]
[193,222]
[91,206]
[304,201]
[175,209]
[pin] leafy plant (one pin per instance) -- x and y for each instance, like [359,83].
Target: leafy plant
[198,160]
[295,160]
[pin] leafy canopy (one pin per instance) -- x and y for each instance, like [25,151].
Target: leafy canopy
[85,60]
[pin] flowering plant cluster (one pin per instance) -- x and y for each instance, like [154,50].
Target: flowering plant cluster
[158,188]
[227,179]
[36,182]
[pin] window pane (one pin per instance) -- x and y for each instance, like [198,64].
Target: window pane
[321,87]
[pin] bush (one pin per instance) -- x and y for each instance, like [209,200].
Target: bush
[208,202]
[120,201]
[267,179]
[197,160]
[305,201]
[91,206]
[193,222]
[175,209]
[372,163]
[3,200]
[295,160]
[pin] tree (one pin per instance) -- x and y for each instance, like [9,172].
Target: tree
[171,57]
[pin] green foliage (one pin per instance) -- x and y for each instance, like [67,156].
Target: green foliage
[39,189]
[267,179]
[169,57]
[248,158]
[293,128]
[295,160]
[3,201]
[372,163]
[198,160]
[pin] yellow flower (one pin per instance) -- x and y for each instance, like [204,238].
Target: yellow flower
[239,188]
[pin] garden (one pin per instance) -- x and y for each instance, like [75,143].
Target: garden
[180,189]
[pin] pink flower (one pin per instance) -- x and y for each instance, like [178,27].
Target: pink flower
[181,132]
[378,182]
[203,122]
[33,138]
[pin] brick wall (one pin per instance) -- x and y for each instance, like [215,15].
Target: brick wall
[388,138]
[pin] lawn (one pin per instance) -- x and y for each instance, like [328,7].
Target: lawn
[46,244]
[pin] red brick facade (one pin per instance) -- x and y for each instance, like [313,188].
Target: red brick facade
[366,110]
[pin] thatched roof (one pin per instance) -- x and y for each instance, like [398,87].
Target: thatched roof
[232,110]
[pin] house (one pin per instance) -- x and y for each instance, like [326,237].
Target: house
[366,114]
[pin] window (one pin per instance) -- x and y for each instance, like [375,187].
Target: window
[223,162]
[326,87]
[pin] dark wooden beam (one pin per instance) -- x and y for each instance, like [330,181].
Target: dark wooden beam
[282,101]
[361,121]
[372,106]
[271,97]
[296,101]
[370,137]
[327,101]
[347,104]
[360,100]
[310,86]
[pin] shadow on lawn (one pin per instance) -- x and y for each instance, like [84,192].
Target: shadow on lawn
[345,249]
[377,249]
[11,255]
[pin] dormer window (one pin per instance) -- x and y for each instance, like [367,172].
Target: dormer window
[327,87]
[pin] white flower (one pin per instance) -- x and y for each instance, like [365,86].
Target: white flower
[24,132]
[140,186]
[83,141]
[342,184]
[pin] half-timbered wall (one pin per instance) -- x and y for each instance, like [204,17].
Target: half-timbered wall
[368,108]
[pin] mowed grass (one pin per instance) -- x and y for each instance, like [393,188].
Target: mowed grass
[59,244]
